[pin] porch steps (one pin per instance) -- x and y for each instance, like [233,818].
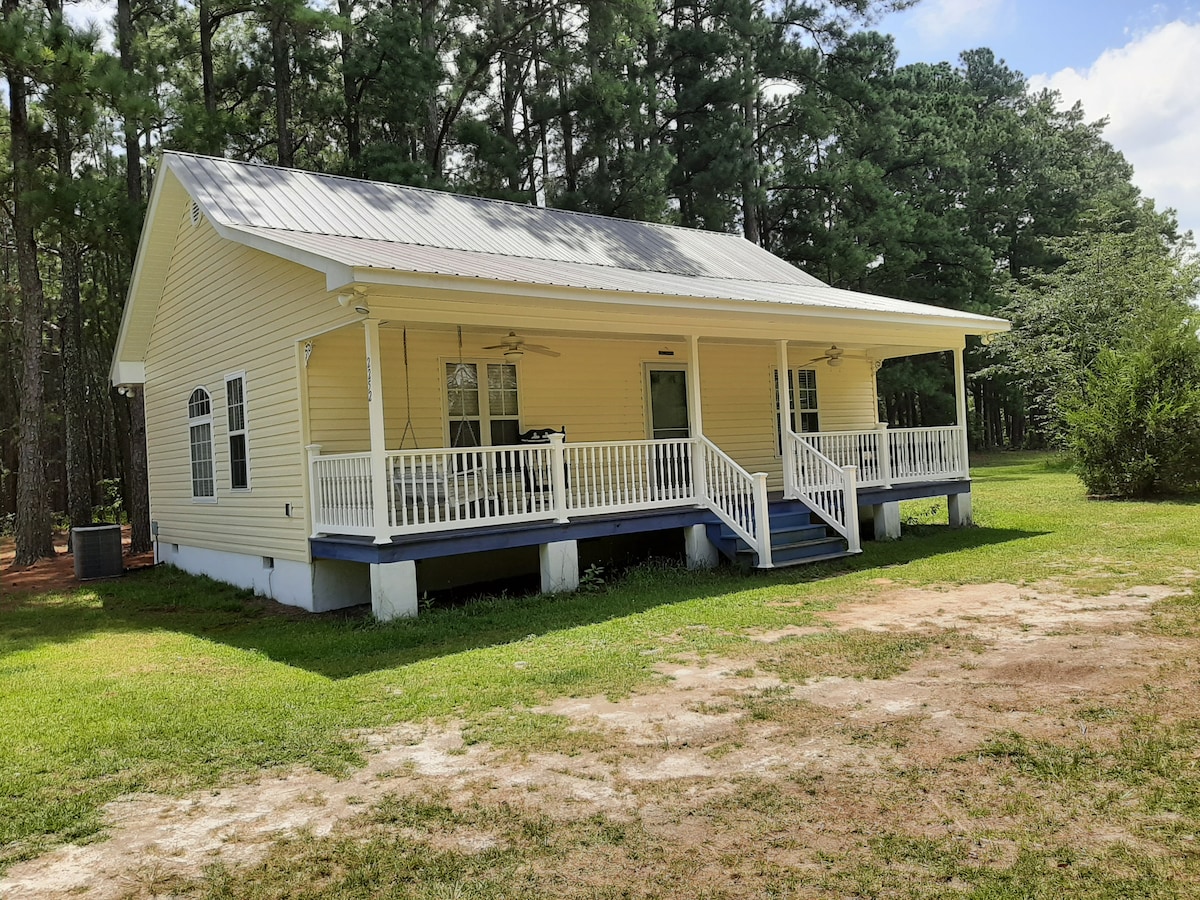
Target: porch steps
[795,538]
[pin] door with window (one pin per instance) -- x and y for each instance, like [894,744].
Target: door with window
[667,396]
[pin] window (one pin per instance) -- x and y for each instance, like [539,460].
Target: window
[239,450]
[200,442]
[804,412]
[474,421]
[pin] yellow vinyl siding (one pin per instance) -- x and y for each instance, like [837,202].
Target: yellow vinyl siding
[337,391]
[226,308]
[738,389]
[596,388]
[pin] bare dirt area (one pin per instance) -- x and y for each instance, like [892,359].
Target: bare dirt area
[56,573]
[725,755]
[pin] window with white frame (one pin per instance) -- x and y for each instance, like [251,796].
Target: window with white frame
[804,413]
[239,448]
[200,443]
[482,410]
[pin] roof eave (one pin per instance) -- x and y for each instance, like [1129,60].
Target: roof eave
[970,323]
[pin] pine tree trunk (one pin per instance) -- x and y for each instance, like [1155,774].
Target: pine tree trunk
[282,64]
[137,486]
[137,496]
[350,115]
[208,88]
[33,540]
[133,150]
[750,179]
[79,486]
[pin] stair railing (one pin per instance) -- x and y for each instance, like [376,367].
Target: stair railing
[829,490]
[738,498]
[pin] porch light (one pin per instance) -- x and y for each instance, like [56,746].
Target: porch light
[834,361]
[512,354]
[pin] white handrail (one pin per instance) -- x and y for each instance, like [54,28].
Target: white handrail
[852,448]
[895,456]
[828,489]
[738,499]
[919,454]
[449,488]
[623,476]
[341,493]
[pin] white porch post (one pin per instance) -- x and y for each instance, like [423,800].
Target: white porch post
[785,421]
[696,420]
[960,403]
[315,504]
[558,478]
[885,453]
[379,473]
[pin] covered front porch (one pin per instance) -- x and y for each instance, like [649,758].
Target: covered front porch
[722,444]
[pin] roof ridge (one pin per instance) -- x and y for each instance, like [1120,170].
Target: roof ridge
[456,196]
[547,259]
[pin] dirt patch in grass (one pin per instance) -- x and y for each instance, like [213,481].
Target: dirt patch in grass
[977,736]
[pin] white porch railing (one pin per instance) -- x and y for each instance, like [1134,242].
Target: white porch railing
[885,457]
[827,488]
[448,488]
[738,498]
[927,454]
[624,476]
[442,489]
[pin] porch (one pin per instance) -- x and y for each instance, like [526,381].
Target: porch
[730,455]
[459,500]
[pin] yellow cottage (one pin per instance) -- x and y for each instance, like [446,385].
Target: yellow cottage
[356,392]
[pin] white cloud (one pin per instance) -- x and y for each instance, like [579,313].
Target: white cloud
[1148,91]
[962,21]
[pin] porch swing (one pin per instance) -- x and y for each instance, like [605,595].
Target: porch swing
[447,486]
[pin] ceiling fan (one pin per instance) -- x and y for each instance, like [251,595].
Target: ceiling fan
[514,347]
[832,356]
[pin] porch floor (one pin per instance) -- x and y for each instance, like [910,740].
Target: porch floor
[351,548]
[501,537]
[872,496]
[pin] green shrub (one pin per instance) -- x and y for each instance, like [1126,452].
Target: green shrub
[1134,429]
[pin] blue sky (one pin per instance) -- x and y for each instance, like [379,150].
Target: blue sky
[1133,61]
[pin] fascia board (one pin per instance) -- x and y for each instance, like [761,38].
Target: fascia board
[337,274]
[137,279]
[972,324]
[128,372]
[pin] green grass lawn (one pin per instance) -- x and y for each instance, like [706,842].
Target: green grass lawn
[165,682]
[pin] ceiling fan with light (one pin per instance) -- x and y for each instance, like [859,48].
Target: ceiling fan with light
[832,356]
[514,347]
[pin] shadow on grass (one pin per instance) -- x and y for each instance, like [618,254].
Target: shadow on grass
[340,645]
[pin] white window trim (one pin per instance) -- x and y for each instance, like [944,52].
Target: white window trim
[244,431]
[772,374]
[485,417]
[194,422]
[649,366]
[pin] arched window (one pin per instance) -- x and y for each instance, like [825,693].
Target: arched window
[200,440]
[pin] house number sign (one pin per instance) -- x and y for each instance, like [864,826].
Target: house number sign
[368,379]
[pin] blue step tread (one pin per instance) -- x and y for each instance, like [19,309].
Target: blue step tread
[797,536]
[800,550]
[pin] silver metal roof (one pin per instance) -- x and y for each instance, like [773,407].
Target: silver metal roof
[390,256]
[257,196]
[366,225]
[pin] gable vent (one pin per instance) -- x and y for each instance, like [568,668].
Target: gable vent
[194,212]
